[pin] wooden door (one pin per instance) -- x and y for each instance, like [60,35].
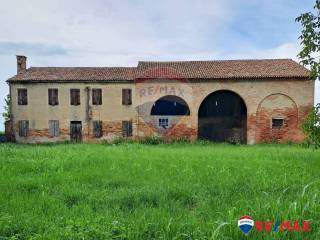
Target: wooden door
[76,131]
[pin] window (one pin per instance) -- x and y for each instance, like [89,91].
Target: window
[23,128]
[126,128]
[53,97]
[97,129]
[163,122]
[96,96]
[54,130]
[277,122]
[22,96]
[126,97]
[75,96]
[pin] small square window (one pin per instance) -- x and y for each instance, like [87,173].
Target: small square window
[277,122]
[163,122]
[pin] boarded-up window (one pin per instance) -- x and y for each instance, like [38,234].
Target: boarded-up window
[23,128]
[75,96]
[126,97]
[53,96]
[54,130]
[126,128]
[97,129]
[96,96]
[22,96]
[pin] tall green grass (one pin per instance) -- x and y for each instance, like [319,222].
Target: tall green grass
[165,191]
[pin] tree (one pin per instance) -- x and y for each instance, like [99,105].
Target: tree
[7,108]
[311,127]
[310,40]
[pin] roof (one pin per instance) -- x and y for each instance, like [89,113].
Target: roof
[224,69]
[76,74]
[267,68]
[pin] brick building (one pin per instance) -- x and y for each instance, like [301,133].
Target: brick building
[248,101]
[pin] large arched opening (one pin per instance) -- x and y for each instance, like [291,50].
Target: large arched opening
[222,117]
[170,106]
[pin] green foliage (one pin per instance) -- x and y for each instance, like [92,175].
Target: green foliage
[164,191]
[7,108]
[310,39]
[311,127]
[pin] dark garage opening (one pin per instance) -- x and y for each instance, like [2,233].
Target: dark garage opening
[223,118]
[170,106]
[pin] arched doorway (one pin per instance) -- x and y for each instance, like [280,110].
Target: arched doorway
[222,117]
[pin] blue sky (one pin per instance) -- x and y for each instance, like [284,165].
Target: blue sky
[114,33]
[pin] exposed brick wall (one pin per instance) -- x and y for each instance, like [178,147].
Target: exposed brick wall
[278,106]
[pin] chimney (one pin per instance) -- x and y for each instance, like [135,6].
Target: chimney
[21,64]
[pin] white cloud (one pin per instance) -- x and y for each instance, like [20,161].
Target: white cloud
[108,32]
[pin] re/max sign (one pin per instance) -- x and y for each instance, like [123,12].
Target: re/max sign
[294,226]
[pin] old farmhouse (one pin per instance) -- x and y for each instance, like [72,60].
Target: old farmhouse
[247,101]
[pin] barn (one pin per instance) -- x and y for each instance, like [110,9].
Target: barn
[239,101]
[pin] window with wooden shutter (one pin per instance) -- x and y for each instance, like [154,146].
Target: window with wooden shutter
[22,96]
[126,128]
[54,130]
[96,96]
[75,97]
[53,96]
[126,97]
[97,129]
[23,128]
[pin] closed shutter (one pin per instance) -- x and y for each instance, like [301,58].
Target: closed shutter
[97,129]
[96,96]
[126,96]
[53,97]
[126,128]
[23,128]
[54,130]
[22,97]
[75,96]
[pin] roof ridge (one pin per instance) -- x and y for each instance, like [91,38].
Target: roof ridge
[219,60]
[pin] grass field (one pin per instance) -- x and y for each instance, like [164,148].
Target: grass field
[178,191]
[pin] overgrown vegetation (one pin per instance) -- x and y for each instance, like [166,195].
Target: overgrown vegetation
[7,108]
[311,127]
[310,40]
[164,191]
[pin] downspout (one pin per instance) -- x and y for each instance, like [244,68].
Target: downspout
[88,111]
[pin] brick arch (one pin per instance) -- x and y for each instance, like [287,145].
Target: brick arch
[277,105]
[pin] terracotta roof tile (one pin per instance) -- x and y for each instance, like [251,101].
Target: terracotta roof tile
[269,68]
[76,74]
[224,69]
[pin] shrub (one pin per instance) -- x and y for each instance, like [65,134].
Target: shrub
[311,127]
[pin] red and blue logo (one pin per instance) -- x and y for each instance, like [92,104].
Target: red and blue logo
[245,224]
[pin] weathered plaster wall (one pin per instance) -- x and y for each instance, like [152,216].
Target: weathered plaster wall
[39,112]
[288,98]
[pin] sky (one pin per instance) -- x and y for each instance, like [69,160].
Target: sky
[120,33]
